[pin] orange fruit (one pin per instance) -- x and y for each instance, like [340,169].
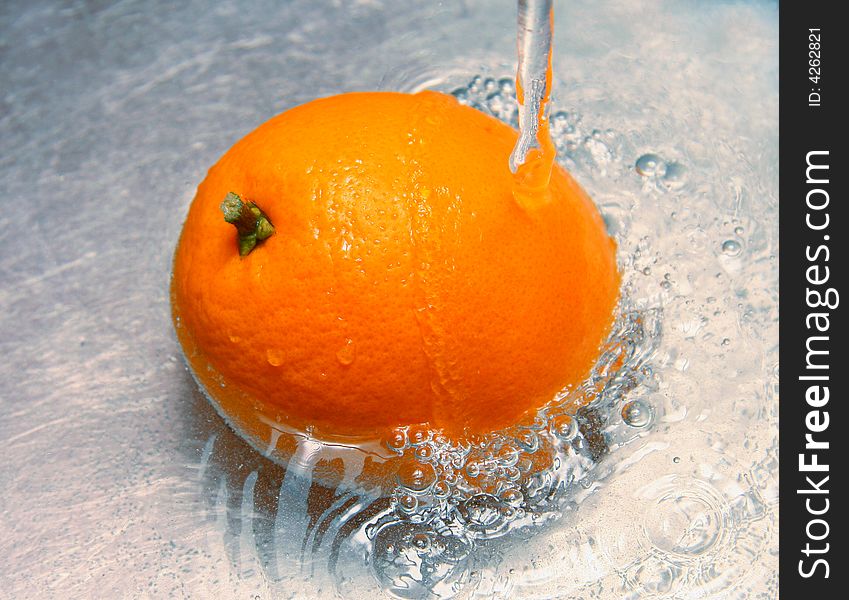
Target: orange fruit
[403,282]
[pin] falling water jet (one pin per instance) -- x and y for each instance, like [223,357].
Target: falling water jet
[533,156]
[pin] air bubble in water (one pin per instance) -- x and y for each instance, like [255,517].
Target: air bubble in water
[461,94]
[418,435]
[483,515]
[512,496]
[649,164]
[508,455]
[636,413]
[416,476]
[407,502]
[529,441]
[564,427]
[731,247]
[421,541]
[441,489]
[397,440]
[424,453]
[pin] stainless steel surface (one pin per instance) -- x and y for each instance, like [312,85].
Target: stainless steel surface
[118,479]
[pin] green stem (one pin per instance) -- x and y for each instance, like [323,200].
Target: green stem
[252,225]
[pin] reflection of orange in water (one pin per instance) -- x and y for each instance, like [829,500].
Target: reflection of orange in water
[403,283]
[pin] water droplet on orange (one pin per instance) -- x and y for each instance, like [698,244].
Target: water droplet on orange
[274,357]
[346,353]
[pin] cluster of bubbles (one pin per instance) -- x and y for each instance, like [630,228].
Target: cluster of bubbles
[669,175]
[577,145]
[574,143]
[496,97]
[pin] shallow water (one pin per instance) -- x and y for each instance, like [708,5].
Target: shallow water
[665,112]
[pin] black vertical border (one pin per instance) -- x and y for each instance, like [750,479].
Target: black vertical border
[803,129]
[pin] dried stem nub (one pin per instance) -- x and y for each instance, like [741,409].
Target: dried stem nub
[252,225]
